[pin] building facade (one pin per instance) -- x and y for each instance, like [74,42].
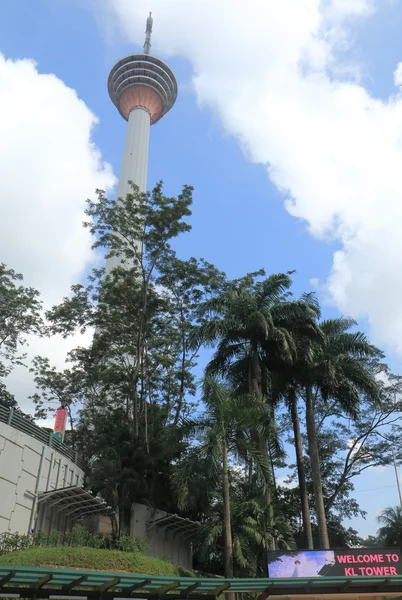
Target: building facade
[31,462]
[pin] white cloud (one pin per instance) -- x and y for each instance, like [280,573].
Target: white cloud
[275,74]
[340,9]
[49,166]
[398,75]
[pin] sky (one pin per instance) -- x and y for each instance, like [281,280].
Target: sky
[288,124]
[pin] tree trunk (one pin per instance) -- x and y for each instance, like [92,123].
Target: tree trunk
[183,369]
[271,461]
[124,518]
[254,378]
[250,470]
[146,425]
[300,471]
[315,469]
[228,543]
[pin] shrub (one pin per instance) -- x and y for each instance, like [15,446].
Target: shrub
[14,541]
[77,537]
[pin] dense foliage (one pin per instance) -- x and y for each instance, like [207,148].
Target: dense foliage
[278,376]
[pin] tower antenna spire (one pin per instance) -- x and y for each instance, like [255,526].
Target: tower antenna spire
[148,33]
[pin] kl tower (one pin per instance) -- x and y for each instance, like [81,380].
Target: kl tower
[143,89]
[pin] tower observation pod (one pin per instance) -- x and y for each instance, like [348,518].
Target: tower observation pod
[143,89]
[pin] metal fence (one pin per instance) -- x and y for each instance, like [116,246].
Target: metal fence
[12,418]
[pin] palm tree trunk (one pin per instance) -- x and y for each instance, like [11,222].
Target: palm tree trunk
[315,468]
[250,470]
[273,477]
[300,471]
[267,486]
[254,378]
[228,543]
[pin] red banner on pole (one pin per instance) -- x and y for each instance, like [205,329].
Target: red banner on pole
[60,423]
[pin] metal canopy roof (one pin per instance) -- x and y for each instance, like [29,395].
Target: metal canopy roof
[75,502]
[180,525]
[62,583]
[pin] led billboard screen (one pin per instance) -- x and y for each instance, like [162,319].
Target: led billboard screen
[353,562]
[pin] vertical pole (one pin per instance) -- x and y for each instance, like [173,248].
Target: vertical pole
[397,477]
[58,475]
[65,476]
[38,479]
[42,514]
[51,520]
[10,416]
[58,526]
[49,475]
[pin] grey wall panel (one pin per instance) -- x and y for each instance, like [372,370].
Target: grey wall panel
[20,456]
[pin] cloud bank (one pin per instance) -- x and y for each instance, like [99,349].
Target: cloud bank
[49,167]
[277,76]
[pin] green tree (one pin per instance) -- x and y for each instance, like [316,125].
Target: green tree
[56,389]
[253,323]
[136,381]
[391,530]
[372,541]
[253,525]
[187,283]
[6,398]
[143,310]
[20,316]
[224,434]
[122,467]
[287,387]
[336,368]
[351,446]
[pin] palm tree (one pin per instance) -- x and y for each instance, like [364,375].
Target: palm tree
[287,388]
[224,433]
[391,531]
[337,368]
[253,325]
[253,527]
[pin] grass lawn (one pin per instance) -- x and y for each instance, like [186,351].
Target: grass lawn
[92,559]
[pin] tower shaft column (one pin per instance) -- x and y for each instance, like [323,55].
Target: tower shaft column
[134,165]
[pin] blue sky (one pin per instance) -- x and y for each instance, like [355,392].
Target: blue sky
[210,141]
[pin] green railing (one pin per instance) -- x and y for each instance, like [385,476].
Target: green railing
[29,582]
[23,424]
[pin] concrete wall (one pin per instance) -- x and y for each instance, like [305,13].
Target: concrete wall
[21,475]
[161,543]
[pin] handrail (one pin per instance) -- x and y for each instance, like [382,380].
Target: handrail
[12,418]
